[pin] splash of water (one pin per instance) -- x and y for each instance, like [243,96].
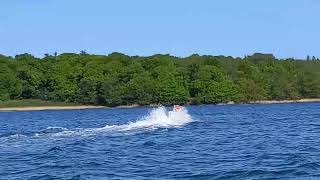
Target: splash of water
[157,118]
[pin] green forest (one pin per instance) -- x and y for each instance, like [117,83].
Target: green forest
[117,79]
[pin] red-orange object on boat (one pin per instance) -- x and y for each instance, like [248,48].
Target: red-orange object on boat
[177,108]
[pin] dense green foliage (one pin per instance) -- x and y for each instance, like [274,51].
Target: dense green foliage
[118,79]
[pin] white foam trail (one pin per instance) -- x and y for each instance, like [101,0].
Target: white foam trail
[157,118]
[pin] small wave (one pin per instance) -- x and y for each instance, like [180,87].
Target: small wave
[16,136]
[53,130]
[12,138]
[55,149]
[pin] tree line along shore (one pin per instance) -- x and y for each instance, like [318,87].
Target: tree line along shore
[120,80]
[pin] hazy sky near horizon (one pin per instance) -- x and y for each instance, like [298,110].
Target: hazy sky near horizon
[286,28]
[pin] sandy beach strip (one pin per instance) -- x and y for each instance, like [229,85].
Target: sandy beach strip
[285,101]
[41,108]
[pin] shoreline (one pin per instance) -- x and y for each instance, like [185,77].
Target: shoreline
[311,100]
[42,108]
[80,107]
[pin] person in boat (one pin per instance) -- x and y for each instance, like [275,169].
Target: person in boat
[177,108]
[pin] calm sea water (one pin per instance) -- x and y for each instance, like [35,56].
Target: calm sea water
[280,141]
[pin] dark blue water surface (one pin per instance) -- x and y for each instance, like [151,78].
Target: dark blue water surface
[280,141]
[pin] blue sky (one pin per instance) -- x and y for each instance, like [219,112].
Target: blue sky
[286,28]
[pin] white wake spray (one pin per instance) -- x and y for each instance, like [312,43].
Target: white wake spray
[157,118]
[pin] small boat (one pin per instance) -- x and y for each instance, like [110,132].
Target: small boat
[177,108]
